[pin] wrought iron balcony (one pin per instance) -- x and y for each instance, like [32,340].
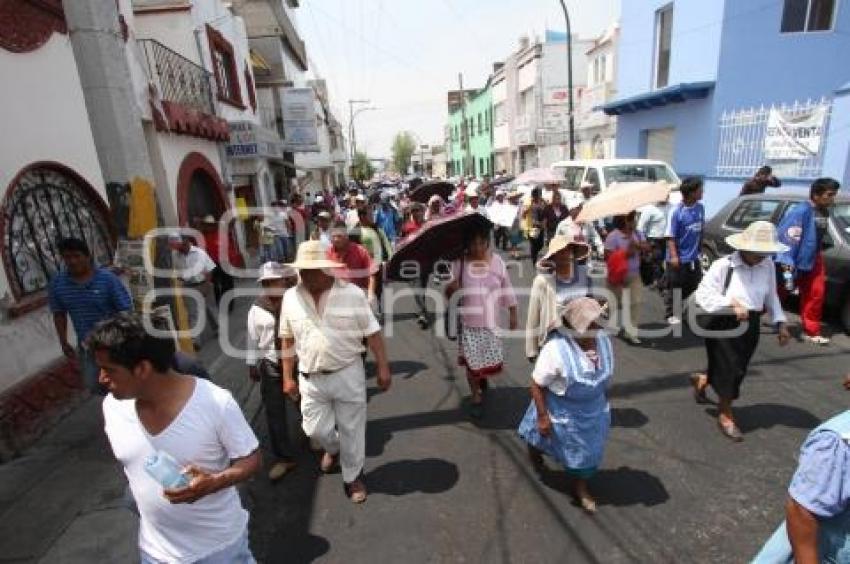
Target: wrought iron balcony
[177,78]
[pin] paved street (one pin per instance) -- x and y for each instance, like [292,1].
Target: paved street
[444,489]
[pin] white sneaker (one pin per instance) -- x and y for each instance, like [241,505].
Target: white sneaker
[818,340]
[673,320]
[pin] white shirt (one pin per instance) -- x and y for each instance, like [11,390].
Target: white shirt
[209,432]
[262,338]
[550,369]
[194,265]
[352,218]
[333,338]
[653,221]
[753,286]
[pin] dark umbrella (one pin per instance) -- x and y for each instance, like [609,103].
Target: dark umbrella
[423,192]
[501,180]
[441,239]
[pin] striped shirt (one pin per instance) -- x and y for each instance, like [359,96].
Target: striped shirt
[89,303]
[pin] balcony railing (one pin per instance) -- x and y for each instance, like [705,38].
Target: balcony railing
[177,78]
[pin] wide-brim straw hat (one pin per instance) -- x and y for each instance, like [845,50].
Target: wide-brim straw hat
[561,242]
[581,313]
[275,271]
[312,255]
[759,237]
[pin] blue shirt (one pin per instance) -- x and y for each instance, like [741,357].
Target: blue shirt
[90,303]
[576,287]
[685,228]
[386,218]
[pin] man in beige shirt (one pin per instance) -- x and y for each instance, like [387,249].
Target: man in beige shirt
[324,321]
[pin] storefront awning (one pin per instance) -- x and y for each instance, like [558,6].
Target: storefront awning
[675,94]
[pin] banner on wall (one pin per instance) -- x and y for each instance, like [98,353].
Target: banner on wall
[794,137]
[298,106]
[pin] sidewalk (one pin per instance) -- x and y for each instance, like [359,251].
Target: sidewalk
[63,499]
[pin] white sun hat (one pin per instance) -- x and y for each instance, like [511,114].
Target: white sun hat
[275,271]
[759,237]
[312,255]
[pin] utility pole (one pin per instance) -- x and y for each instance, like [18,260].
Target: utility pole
[465,130]
[351,116]
[570,81]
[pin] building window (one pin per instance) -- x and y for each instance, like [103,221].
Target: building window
[46,203]
[224,69]
[481,170]
[480,126]
[663,44]
[808,15]
[249,84]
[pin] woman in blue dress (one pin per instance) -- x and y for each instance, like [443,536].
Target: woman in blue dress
[569,418]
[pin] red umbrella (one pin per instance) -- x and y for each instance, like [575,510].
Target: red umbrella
[423,192]
[441,239]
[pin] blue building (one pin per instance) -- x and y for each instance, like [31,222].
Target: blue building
[720,87]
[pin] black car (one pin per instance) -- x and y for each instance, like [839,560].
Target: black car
[740,212]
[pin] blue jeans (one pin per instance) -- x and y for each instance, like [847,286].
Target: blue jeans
[237,553]
[89,371]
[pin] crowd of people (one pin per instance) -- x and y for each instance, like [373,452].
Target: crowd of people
[318,312]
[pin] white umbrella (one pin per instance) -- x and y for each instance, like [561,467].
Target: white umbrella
[620,199]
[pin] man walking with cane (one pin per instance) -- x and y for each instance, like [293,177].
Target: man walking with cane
[324,321]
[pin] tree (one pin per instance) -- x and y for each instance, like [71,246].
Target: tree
[402,149]
[362,167]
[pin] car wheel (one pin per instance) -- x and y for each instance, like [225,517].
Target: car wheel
[706,257]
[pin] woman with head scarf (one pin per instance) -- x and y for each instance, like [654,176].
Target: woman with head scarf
[435,207]
[569,417]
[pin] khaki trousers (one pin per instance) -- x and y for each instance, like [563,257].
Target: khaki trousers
[333,411]
[629,298]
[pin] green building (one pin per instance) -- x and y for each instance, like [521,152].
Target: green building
[470,144]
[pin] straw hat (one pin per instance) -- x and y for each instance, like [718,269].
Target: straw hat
[312,255]
[580,313]
[759,237]
[561,242]
[275,271]
[471,190]
[208,219]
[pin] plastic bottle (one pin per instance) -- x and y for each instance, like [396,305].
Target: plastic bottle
[162,467]
[788,279]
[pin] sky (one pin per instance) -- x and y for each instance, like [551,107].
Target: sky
[404,55]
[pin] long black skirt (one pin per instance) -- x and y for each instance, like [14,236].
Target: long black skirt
[729,358]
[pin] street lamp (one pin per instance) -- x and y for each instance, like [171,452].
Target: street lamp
[570,81]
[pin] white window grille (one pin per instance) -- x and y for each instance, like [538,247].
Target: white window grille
[741,147]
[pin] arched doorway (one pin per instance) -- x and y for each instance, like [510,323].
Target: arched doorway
[199,190]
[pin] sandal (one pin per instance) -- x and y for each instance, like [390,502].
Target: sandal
[699,390]
[730,431]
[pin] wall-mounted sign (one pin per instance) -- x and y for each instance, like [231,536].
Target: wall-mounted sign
[298,106]
[250,141]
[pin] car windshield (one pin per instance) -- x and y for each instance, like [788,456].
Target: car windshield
[639,173]
[572,174]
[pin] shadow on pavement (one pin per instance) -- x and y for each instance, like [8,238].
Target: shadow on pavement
[628,418]
[403,477]
[619,487]
[767,415]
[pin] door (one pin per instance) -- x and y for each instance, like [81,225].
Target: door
[660,144]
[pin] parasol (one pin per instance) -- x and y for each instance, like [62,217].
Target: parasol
[541,175]
[439,239]
[423,192]
[620,199]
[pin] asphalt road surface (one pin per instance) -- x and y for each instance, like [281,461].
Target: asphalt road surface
[446,489]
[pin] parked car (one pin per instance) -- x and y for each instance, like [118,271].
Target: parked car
[742,211]
[602,173]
